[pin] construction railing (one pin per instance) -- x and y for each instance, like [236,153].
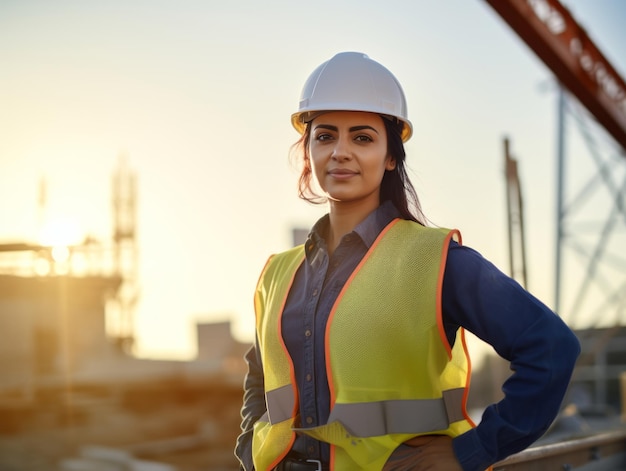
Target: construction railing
[600,452]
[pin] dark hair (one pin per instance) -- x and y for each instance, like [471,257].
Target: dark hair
[395,186]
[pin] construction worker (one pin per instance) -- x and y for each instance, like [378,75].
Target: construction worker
[359,360]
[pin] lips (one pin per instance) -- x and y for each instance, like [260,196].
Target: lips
[342,172]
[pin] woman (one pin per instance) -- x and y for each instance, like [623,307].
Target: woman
[359,360]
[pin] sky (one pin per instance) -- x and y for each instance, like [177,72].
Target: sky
[197,95]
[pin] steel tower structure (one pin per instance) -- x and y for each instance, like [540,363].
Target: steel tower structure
[590,212]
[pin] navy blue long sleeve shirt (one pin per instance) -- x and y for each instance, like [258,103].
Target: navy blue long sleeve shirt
[476,296]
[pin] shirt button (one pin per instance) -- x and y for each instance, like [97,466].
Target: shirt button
[308,377]
[314,292]
[307,333]
[309,420]
[311,450]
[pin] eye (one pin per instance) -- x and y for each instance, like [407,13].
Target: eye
[323,136]
[363,138]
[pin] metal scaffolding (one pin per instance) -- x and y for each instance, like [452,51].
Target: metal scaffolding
[590,275]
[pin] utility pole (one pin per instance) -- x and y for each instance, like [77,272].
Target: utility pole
[515,213]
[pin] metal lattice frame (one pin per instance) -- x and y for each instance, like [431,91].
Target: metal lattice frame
[590,286]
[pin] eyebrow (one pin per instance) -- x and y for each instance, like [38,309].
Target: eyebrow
[330,127]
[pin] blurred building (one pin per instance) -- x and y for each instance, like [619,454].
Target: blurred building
[52,326]
[55,330]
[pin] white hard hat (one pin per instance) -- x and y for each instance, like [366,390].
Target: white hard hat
[351,81]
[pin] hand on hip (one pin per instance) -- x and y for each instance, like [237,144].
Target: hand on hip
[425,453]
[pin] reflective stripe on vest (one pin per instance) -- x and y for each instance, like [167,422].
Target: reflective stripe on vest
[369,419]
[280,404]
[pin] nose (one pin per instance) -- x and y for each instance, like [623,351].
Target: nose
[341,151]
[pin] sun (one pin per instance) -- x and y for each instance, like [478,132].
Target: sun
[61,232]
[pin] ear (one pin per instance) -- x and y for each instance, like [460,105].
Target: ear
[390,164]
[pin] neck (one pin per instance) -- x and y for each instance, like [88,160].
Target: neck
[344,218]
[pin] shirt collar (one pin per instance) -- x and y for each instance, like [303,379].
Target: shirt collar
[368,229]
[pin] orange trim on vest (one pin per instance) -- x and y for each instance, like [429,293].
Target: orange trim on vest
[331,385]
[467,379]
[292,371]
[444,258]
[442,331]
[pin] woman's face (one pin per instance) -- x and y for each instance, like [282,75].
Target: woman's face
[348,152]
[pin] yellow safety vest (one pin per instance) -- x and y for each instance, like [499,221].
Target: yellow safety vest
[392,373]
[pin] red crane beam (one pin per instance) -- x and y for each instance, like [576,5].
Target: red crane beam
[553,34]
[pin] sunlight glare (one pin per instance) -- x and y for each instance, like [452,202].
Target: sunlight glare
[61,232]
[60,253]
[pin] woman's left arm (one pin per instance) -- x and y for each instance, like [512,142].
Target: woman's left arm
[541,349]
